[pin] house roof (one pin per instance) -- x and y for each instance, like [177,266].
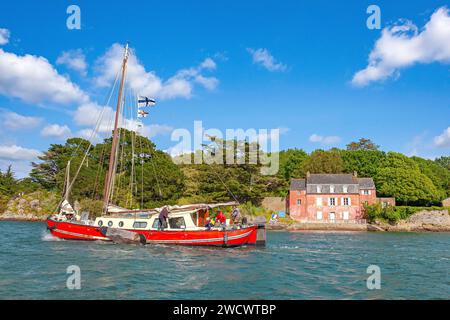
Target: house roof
[366,183]
[298,184]
[343,183]
[331,179]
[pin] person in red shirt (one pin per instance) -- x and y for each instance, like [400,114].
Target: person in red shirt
[221,217]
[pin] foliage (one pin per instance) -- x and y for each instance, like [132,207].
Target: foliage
[393,214]
[443,162]
[362,144]
[321,161]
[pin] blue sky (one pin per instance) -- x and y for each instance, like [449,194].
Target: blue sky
[308,88]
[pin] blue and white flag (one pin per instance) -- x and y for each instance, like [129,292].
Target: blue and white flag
[145,102]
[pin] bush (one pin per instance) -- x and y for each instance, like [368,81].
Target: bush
[394,214]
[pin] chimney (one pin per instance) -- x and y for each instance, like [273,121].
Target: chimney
[355,174]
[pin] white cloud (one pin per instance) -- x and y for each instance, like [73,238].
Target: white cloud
[14,121]
[56,131]
[4,36]
[403,45]
[326,140]
[75,60]
[14,152]
[34,80]
[443,140]
[147,82]
[263,57]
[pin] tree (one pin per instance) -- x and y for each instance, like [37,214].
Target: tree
[321,161]
[366,163]
[362,144]
[291,163]
[443,162]
[408,187]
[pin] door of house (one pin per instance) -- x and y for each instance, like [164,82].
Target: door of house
[332,216]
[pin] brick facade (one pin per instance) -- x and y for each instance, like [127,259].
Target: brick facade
[330,198]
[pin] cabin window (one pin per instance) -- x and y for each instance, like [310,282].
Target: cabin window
[110,223]
[100,223]
[121,224]
[177,223]
[139,224]
[155,224]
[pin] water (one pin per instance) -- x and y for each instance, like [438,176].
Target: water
[303,265]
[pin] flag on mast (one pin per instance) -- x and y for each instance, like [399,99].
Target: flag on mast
[142,114]
[145,102]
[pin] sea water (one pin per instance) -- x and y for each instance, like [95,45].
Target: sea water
[293,265]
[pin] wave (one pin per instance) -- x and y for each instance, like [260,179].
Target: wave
[47,236]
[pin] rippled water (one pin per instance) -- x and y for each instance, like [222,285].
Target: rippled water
[302,265]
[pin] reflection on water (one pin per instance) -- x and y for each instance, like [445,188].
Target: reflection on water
[301,265]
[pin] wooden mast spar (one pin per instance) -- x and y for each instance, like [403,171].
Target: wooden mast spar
[112,158]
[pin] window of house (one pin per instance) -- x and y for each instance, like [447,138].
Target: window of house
[345,189]
[319,215]
[319,189]
[299,202]
[319,201]
[366,192]
[332,201]
[345,215]
[346,201]
[177,223]
[331,189]
[139,224]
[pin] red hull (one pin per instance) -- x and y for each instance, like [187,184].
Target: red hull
[228,238]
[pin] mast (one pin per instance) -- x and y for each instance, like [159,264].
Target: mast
[67,182]
[112,158]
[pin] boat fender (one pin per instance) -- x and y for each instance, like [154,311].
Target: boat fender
[225,239]
[104,230]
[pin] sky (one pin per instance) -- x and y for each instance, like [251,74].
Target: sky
[313,69]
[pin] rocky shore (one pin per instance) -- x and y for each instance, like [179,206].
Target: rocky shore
[422,221]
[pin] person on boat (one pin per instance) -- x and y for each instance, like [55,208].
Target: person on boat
[163,217]
[220,217]
[209,223]
[235,215]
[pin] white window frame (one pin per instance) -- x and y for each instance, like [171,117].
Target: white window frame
[299,202]
[345,215]
[348,201]
[332,188]
[345,189]
[319,215]
[319,201]
[330,200]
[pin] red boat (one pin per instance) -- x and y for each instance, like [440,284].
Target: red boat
[184,228]
[186,225]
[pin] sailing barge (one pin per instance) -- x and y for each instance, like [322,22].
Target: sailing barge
[186,224]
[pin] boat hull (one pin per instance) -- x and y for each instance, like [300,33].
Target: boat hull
[223,238]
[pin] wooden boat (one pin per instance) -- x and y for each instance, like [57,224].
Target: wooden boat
[185,225]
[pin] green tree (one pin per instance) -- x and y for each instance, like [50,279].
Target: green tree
[443,162]
[365,163]
[291,164]
[321,161]
[362,144]
[401,177]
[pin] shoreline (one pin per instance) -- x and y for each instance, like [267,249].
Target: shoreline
[295,227]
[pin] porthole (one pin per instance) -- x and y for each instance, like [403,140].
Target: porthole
[110,223]
[121,224]
[100,223]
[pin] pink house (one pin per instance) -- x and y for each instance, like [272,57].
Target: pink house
[330,198]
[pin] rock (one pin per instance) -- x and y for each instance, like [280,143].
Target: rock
[34,204]
[372,227]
